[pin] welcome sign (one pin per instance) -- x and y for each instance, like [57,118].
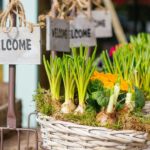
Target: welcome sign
[20,46]
[57,34]
[102,22]
[61,34]
[82,32]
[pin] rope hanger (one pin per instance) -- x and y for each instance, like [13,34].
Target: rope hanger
[16,7]
[62,8]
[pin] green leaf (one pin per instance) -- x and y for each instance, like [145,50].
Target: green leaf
[139,99]
[102,100]
[82,69]
[52,68]
[97,93]
[95,85]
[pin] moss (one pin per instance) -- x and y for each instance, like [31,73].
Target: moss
[147,95]
[44,102]
[134,121]
[115,126]
[129,122]
[85,119]
[88,118]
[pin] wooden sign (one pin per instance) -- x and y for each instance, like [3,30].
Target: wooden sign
[57,34]
[20,46]
[81,32]
[102,22]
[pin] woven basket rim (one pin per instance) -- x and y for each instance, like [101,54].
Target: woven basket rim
[65,132]
[58,134]
[85,126]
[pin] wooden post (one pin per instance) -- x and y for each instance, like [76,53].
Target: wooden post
[89,12]
[89,9]
[53,3]
[116,23]
[1,73]
[11,115]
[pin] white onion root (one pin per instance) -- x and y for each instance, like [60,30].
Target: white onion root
[68,107]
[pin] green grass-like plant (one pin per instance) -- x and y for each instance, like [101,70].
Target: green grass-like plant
[69,84]
[53,72]
[131,61]
[82,68]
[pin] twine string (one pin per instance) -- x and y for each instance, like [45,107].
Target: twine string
[62,8]
[16,7]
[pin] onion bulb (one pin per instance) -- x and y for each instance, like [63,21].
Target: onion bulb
[67,107]
[105,118]
[80,109]
[128,102]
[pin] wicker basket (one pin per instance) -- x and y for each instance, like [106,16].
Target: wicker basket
[60,135]
[146,108]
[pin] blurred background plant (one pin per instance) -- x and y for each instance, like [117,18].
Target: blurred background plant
[131,62]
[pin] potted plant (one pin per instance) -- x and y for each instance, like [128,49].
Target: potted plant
[93,110]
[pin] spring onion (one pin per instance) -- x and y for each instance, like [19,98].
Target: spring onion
[82,68]
[69,85]
[52,68]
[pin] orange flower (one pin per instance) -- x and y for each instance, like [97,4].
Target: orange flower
[96,73]
[103,78]
[108,85]
[109,80]
[124,85]
[112,77]
[93,78]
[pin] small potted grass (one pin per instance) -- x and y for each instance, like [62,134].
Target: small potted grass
[52,68]
[96,111]
[69,85]
[82,69]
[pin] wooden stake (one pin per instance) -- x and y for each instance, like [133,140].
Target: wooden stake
[1,73]
[89,12]
[11,115]
[116,23]
[54,2]
[89,9]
